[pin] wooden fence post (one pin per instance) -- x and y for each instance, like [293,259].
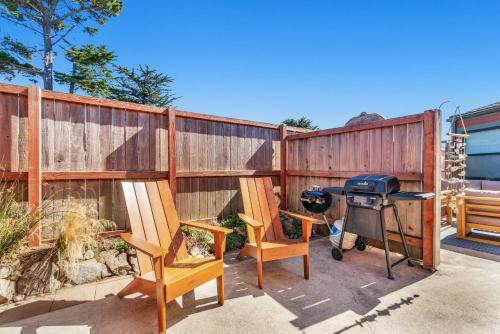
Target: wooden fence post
[172,168]
[283,167]
[34,157]
[429,170]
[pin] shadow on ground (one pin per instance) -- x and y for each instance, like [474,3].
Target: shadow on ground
[356,284]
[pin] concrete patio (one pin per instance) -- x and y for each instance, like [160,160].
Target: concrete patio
[353,296]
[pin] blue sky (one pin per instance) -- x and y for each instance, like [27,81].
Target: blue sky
[326,60]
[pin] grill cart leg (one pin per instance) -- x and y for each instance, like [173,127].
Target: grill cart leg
[337,252]
[402,235]
[386,244]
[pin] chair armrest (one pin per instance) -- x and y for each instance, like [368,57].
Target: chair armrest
[299,216]
[250,221]
[206,227]
[144,246]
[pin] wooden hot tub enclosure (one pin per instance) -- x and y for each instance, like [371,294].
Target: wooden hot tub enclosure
[63,147]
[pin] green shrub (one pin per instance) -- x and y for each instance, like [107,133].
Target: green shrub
[198,242]
[120,245]
[292,227]
[236,239]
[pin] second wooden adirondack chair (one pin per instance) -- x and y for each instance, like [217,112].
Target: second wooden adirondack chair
[166,270]
[266,240]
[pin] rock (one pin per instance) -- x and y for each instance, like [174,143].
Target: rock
[196,252]
[289,227]
[5,271]
[19,298]
[116,262]
[7,290]
[107,243]
[131,251]
[134,263]
[41,277]
[89,254]
[241,230]
[84,271]
[364,118]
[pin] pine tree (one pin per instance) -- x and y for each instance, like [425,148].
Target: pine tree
[302,122]
[91,70]
[143,85]
[51,21]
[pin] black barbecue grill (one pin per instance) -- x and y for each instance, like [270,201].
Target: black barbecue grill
[367,197]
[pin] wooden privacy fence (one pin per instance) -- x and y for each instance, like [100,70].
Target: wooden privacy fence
[64,147]
[74,148]
[404,147]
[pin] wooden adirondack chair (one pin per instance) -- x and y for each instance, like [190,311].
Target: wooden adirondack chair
[266,240]
[166,271]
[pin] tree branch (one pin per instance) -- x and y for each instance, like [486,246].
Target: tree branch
[63,35]
[21,24]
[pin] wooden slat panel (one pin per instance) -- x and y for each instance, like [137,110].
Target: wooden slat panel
[131,154]
[136,226]
[264,209]
[172,220]
[77,138]
[118,155]
[106,150]
[104,175]
[273,209]
[6,104]
[23,133]
[34,155]
[148,221]
[254,202]
[93,145]
[247,205]
[142,148]
[374,125]
[402,176]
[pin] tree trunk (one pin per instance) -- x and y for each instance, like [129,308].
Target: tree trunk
[48,59]
[72,83]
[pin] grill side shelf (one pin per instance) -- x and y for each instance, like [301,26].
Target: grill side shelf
[411,196]
[335,190]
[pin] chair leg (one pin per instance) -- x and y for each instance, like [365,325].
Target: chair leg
[220,290]
[129,289]
[306,266]
[161,305]
[243,252]
[259,273]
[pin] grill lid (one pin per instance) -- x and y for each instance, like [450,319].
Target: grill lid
[380,184]
[316,201]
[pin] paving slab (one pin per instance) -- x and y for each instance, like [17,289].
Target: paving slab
[352,296]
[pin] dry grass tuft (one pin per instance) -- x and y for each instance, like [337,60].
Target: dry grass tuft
[16,221]
[75,229]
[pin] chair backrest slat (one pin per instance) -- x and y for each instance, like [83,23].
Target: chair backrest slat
[273,208]
[153,217]
[173,222]
[160,220]
[264,209]
[136,226]
[260,204]
[148,221]
[247,206]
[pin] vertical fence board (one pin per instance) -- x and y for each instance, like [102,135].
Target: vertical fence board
[35,157]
